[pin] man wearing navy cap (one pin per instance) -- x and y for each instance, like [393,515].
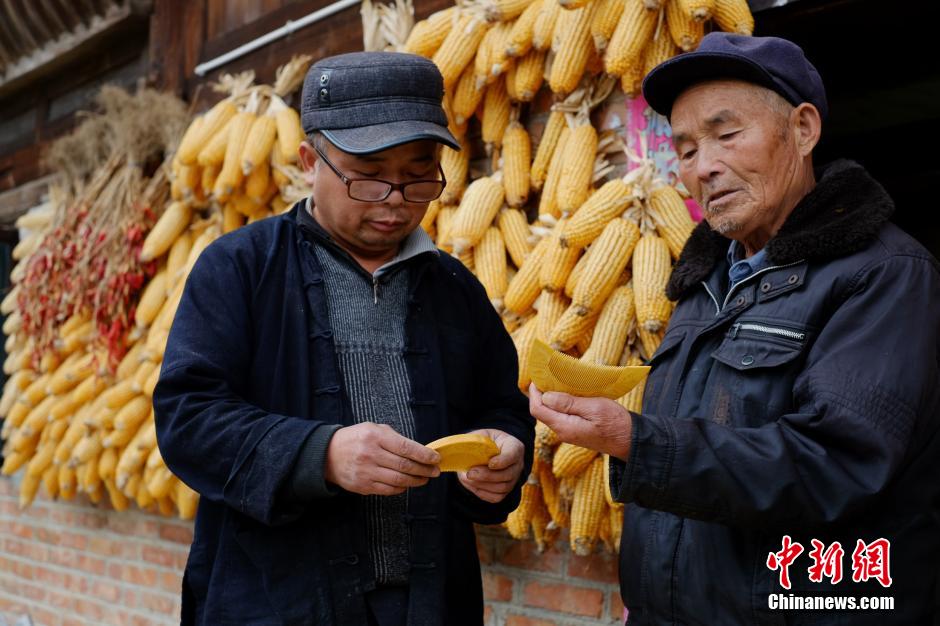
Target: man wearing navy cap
[312,355]
[785,468]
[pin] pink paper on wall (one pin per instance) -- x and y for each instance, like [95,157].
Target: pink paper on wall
[642,124]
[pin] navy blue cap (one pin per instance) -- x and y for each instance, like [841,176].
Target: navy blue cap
[771,62]
[364,102]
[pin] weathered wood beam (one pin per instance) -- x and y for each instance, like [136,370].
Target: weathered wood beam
[18,200]
[18,26]
[62,49]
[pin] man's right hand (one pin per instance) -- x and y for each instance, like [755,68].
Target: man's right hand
[373,459]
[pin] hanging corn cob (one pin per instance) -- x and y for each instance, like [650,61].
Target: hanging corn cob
[77,406]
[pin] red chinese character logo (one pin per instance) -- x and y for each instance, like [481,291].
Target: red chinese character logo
[826,563]
[872,561]
[782,560]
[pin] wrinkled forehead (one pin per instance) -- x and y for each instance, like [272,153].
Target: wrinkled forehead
[711,103]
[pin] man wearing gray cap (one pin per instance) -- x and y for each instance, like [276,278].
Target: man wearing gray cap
[786,464]
[312,355]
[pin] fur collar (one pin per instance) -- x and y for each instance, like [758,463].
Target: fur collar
[841,215]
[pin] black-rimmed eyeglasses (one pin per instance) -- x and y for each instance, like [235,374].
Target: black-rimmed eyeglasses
[376,190]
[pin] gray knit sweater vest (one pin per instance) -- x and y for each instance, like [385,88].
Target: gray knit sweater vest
[368,320]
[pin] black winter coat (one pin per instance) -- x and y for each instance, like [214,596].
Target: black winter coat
[250,371]
[805,402]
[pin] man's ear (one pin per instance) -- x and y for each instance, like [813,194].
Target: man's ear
[308,156]
[808,127]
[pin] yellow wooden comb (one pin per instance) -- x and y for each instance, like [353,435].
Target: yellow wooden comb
[461,452]
[556,371]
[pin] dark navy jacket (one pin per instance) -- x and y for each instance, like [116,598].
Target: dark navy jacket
[250,371]
[805,402]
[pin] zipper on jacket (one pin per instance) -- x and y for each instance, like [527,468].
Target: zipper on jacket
[714,299]
[768,330]
[375,290]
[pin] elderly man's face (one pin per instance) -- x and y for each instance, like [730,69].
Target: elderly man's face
[738,156]
[370,228]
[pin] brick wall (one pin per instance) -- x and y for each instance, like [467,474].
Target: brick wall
[72,563]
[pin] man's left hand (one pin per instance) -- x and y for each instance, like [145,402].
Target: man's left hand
[492,482]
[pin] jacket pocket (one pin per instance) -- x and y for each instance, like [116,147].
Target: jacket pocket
[751,345]
[752,382]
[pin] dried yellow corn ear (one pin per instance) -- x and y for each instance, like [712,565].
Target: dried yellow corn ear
[614,249]
[481,201]
[516,154]
[672,218]
[529,75]
[652,266]
[734,16]
[587,508]
[458,48]
[605,22]
[571,460]
[544,27]
[612,328]
[577,168]
[489,262]
[685,31]
[633,32]
[575,49]
[524,287]
[515,230]
[551,135]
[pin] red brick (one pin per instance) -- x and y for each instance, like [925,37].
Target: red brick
[522,620]
[159,604]
[565,598]
[47,535]
[51,577]
[171,581]
[61,601]
[524,555]
[128,525]
[158,556]
[21,569]
[105,591]
[10,606]
[94,611]
[6,486]
[43,617]
[32,592]
[616,607]
[599,567]
[143,576]
[130,599]
[90,519]
[8,507]
[177,533]
[488,615]
[74,541]
[105,546]
[496,588]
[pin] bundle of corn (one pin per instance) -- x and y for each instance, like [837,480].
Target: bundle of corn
[611,309]
[74,419]
[567,253]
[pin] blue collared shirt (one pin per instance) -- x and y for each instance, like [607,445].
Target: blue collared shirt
[740,267]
